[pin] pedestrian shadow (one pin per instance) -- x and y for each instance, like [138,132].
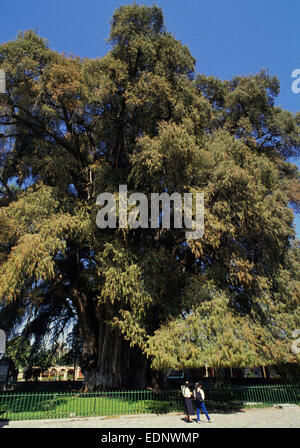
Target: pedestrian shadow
[224,408]
[3,423]
[183,419]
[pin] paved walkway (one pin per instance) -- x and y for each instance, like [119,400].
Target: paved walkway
[285,416]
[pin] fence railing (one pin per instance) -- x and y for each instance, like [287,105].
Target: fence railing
[29,406]
[266,394]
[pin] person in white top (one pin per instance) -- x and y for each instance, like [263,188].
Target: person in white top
[199,401]
[187,394]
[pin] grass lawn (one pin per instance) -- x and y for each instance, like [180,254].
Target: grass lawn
[45,406]
[31,406]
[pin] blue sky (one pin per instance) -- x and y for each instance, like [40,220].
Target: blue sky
[227,37]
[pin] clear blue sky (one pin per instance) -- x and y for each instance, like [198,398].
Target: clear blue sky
[227,37]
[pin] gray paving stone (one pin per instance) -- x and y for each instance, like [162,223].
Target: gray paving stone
[280,416]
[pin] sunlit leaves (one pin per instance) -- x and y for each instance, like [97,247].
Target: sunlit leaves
[72,128]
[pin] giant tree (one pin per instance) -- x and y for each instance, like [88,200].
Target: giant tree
[72,128]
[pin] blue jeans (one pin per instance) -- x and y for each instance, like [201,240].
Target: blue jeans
[200,406]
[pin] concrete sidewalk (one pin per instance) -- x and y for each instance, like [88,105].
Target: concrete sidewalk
[281,416]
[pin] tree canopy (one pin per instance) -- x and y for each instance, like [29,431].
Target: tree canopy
[71,128]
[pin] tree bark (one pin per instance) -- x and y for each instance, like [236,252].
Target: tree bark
[107,360]
[117,366]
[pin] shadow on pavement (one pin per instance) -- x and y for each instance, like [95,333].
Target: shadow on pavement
[224,408]
[3,423]
[185,420]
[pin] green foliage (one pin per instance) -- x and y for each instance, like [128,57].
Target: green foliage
[19,351]
[26,355]
[72,128]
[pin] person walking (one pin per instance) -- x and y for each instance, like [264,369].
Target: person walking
[199,401]
[187,395]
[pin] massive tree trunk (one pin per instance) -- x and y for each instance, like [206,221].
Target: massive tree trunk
[108,362]
[117,366]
